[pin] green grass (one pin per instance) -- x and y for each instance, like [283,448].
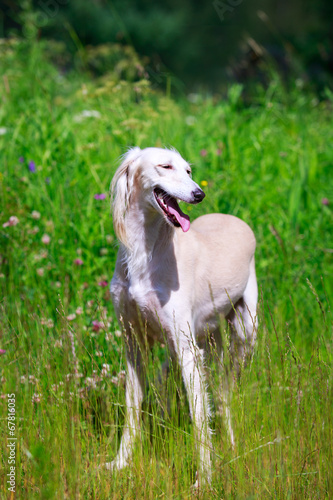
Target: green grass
[270,164]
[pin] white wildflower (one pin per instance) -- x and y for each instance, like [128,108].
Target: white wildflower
[105,370]
[87,113]
[35,214]
[36,398]
[90,382]
[190,120]
[193,98]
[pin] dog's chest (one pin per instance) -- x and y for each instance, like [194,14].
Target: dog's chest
[140,294]
[142,299]
[143,307]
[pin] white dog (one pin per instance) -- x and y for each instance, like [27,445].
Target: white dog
[174,280]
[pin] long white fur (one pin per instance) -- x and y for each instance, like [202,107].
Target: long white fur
[179,283]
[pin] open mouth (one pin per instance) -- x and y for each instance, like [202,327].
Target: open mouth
[171,210]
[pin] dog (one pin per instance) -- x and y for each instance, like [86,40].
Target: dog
[174,280]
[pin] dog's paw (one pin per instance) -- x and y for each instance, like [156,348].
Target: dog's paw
[202,479]
[116,464]
[108,466]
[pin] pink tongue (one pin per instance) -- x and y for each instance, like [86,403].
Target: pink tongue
[182,218]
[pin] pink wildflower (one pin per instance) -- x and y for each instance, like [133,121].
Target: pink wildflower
[13,221]
[46,239]
[97,325]
[103,283]
[78,262]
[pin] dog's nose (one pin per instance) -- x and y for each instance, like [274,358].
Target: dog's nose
[198,195]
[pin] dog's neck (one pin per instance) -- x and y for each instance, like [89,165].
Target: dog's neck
[147,232]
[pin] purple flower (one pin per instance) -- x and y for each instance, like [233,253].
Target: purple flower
[2,351]
[32,166]
[203,152]
[101,196]
[21,159]
[47,180]
[325,201]
[78,262]
[103,283]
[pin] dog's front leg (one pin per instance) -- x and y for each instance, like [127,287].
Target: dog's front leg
[191,361]
[134,396]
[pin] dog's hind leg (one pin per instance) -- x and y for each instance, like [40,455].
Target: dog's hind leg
[243,322]
[134,397]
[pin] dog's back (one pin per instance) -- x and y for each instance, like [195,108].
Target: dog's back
[219,250]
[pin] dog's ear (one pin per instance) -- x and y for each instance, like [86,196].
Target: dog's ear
[121,187]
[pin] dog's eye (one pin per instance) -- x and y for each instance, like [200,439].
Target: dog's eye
[189,172]
[166,166]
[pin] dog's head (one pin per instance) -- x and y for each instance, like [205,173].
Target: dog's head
[159,177]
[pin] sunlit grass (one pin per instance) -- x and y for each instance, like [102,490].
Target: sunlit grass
[270,164]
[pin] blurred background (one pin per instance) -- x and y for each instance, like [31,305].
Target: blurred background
[195,43]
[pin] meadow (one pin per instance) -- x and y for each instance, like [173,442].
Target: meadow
[62,353]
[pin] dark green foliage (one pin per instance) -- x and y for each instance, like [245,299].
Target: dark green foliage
[198,42]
